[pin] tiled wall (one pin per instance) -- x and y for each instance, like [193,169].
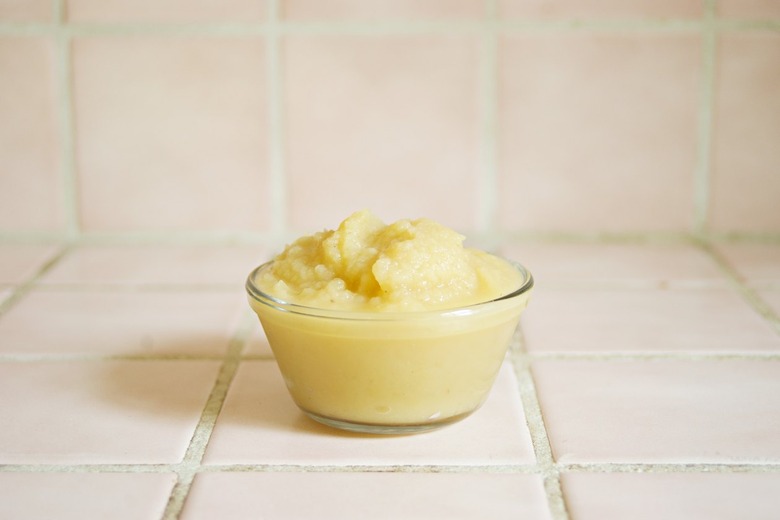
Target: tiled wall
[252,119]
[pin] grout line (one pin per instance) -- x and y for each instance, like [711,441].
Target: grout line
[703,169]
[488,107]
[699,467]
[536,427]
[385,27]
[64,75]
[202,434]
[747,293]
[276,143]
[655,356]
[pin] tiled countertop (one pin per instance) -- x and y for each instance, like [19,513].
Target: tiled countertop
[644,383]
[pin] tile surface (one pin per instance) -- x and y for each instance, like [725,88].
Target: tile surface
[18,263]
[101,412]
[755,9]
[382,10]
[758,264]
[121,323]
[367,495]
[745,158]
[169,11]
[386,109]
[616,264]
[31,192]
[260,424]
[187,117]
[84,495]
[672,496]
[661,411]
[157,265]
[573,159]
[599,9]
[639,320]
[25,10]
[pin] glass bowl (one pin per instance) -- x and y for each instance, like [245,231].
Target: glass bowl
[389,372]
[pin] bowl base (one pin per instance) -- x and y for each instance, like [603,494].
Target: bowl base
[386,429]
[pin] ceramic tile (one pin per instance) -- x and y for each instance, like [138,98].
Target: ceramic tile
[672,496]
[169,11]
[18,263]
[26,10]
[720,411]
[616,264]
[157,265]
[754,9]
[5,293]
[367,495]
[671,321]
[391,126]
[30,189]
[772,298]
[745,159]
[72,496]
[260,424]
[121,323]
[187,117]
[610,155]
[599,9]
[382,10]
[128,412]
[758,264]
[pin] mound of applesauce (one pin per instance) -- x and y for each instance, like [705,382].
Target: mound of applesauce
[369,342]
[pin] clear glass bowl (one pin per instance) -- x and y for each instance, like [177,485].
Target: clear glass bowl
[389,372]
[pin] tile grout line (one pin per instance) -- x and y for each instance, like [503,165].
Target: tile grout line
[748,293]
[385,27]
[682,467]
[196,449]
[703,169]
[488,110]
[64,74]
[276,151]
[535,421]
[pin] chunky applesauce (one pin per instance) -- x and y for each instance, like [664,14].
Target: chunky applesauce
[366,265]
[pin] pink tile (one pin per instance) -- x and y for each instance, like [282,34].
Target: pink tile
[382,10]
[74,496]
[615,264]
[168,11]
[757,263]
[586,145]
[672,496]
[26,10]
[5,293]
[636,320]
[158,265]
[30,188]
[772,298]
[366,495]
[745,186]
[599,9]
[720,411]
[391,126]
[133,412]
[260,424]
[171,133]
[19,262]
[755,9]
[121,323]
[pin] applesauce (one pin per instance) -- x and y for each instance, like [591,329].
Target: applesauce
[388,328]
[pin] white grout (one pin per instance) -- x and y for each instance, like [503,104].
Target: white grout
[703,174]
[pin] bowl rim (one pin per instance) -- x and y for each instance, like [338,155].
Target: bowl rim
[256,294]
